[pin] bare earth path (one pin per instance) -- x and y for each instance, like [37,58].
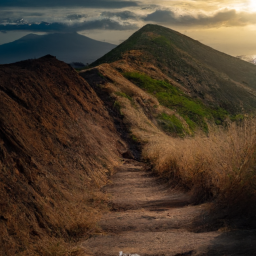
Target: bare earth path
[149,219]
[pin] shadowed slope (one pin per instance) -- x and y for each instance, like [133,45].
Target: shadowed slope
[57,144]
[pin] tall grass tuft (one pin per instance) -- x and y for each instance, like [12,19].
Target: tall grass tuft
[220,167]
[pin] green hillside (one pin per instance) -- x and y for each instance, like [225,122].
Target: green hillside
[194,112]
[218,79]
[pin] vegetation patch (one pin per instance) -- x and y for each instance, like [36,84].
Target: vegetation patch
[171,124]
[117,105]
[237,118]
[193,111]
[134,138]
[219,115]
[122,94]
[163,41]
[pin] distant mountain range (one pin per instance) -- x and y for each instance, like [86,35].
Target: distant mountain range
[68,47]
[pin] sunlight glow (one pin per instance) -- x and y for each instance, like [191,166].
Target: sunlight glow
[252,5]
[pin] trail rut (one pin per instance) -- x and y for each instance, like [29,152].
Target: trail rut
[149,219]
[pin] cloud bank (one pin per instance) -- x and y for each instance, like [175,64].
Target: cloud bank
[112,4]
[104,24]
[222,18]
[125,15]
[42,16]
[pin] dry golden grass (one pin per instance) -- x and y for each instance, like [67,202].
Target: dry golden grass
[59,223]
[220,167]
[70,221]
[53,247]
[55,154]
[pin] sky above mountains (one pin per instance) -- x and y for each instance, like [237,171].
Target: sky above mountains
[227,25]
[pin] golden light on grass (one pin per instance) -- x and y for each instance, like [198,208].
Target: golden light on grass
[219,167]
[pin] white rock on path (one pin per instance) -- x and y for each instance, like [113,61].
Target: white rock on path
[124,254]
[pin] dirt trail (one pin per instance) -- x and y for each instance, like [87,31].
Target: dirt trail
[149,219]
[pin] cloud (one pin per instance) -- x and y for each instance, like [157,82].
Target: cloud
[76,16]
[105,24]
[11,16]
[36,14]
[125,15]
[69,3]
[6,20]
[225,17]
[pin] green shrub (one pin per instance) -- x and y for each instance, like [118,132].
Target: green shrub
[118,107]
[237,118]
[171,124]
[219,115]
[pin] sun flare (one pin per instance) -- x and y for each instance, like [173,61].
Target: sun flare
[252,5]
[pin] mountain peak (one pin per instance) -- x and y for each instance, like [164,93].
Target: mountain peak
[215,77]
[29,37]
[68,47]
[48,56]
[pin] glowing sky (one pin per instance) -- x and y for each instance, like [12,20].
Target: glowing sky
[227,25]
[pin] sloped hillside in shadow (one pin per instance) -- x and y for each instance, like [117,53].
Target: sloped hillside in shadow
[58,145]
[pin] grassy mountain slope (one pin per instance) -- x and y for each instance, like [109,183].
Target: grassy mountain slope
[68,47]
[162,88]
[219,167]
[217,78]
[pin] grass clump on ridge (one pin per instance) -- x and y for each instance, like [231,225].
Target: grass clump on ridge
[193,111]
[122,94]
[171,124]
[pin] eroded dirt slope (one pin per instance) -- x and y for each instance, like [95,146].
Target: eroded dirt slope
[57,143]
